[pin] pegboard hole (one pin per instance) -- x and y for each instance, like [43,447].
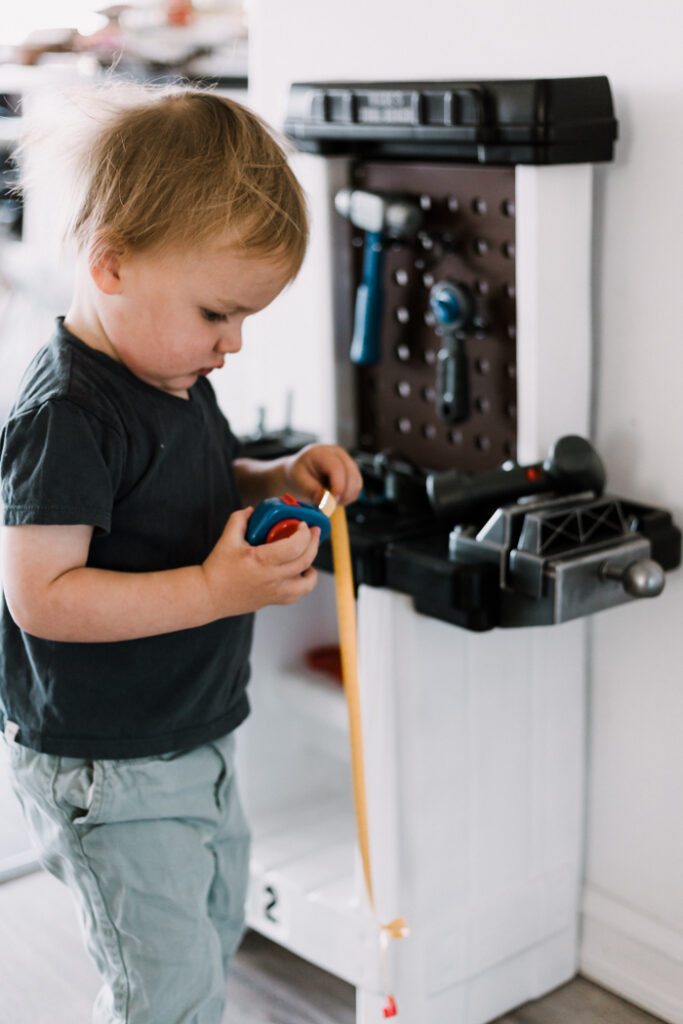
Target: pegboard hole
[483,365]
[510,290]
[453,204]
[455,436]
[482,404]
[511,410]
[482,442]
[511,370]
[429,431]
[507,208]
[511,332]
[429,318]
[430,356]
[404,426]
[401,277]
[403,388]
[358,241]
[402,353]
[426,202]
[481,246]
[402,315]
[482,287]
[428,280]
[479,206]
[429,394]
[508,249]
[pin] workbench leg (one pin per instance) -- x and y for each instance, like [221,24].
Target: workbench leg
[369,1007]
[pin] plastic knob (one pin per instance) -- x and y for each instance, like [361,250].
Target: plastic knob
[644,578]
[451,304]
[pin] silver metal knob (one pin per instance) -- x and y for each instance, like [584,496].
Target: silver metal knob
[644,578]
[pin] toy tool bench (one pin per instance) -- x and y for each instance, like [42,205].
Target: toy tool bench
[486,533]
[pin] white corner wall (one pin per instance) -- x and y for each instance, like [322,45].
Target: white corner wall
[633,907]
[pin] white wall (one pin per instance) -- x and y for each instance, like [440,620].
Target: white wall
[633,927]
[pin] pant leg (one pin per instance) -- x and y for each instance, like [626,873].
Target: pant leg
[231,848]
[135,842]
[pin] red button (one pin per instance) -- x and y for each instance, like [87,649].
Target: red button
[287,499]
[533,474]
[285,528]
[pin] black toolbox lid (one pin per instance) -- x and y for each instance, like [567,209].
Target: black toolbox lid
[526,121]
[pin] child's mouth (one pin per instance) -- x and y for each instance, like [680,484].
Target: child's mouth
[205,370]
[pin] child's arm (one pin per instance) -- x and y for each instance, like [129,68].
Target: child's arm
[306,474]
[52,593]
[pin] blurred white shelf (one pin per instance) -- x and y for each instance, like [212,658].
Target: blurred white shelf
[24,269]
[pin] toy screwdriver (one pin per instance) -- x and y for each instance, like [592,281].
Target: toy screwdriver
[272,520]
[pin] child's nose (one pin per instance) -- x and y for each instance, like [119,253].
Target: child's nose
[230,341]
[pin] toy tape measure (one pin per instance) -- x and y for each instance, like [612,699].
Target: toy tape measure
[272,520]
[348,642]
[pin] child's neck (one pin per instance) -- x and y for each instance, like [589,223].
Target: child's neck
[82,318]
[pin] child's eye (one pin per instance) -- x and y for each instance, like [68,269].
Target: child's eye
[213,317]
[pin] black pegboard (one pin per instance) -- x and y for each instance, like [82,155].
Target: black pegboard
[468,235]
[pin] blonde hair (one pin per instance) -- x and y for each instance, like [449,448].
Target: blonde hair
[154,168]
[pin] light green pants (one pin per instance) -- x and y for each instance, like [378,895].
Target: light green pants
[156,852]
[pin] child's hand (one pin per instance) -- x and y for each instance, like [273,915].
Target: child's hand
[324,467]
[243,578]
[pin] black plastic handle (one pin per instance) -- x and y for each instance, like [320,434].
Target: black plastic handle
[452,381]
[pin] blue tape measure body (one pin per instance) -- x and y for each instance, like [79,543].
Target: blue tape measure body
[274,510]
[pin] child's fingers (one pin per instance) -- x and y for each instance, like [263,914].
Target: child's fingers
[322,467]
[289,551]
[298,586]
[344,480]
[236,526]
[350,481]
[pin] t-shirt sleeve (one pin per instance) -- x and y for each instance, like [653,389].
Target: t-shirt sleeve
[59,464]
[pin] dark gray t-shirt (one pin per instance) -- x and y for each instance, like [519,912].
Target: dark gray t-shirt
[87,442]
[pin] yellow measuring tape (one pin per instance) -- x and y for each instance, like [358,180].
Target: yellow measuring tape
[348,642]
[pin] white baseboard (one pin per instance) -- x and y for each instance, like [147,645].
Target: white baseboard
[632,954]
[17,865]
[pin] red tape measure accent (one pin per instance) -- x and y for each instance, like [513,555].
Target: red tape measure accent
[285,528]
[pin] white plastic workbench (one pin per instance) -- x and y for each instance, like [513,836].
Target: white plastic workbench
[474,743]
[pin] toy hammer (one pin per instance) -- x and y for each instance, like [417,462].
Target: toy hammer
[380,215]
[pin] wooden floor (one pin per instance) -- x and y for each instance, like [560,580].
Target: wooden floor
[46,977]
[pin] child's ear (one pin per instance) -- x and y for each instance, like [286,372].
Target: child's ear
[105,269]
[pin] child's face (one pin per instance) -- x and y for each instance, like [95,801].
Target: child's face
[174,317]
